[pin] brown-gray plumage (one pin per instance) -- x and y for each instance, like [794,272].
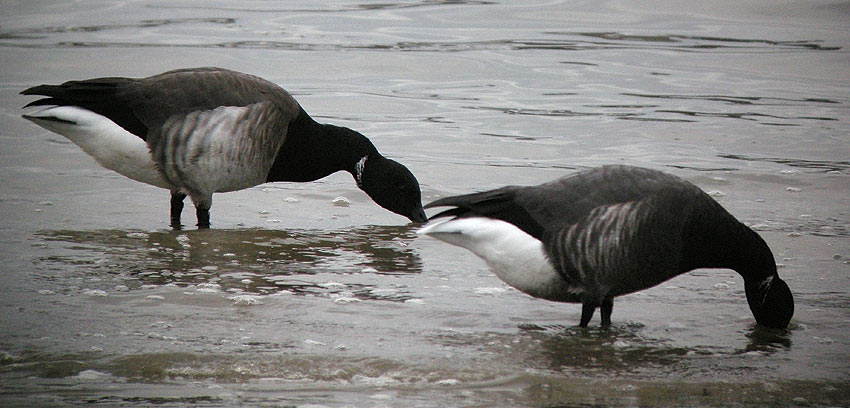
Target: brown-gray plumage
[200,131]
[611,231]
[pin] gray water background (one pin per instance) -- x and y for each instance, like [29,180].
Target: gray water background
[291,300]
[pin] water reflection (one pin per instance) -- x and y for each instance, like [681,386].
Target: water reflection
[529,41]
[253,261]
[702,42]
[736,100]
[36,33]
[621,349]
[819,165]
[656,113]
[754,116]
[630,348]
[766,340]
[418,46]
[335,8]
[592,352]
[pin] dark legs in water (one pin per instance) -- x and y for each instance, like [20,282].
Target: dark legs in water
[587,309]
[176,208]
[202,210]
[605,309]
[203,216]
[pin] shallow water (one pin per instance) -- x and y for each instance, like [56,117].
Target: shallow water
[292,300]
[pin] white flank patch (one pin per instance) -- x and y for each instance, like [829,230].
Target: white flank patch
[113,147]
[514,256]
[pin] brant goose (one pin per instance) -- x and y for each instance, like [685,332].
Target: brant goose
[606,232]
[201,131]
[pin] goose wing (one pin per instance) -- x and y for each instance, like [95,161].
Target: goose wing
[563,202]
[627,229]
[619,248]
[143,105]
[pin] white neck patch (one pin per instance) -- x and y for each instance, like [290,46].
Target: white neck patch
[358,170]
[764,286]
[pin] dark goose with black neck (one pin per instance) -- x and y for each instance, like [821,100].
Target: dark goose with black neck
[201,131]
[598,234]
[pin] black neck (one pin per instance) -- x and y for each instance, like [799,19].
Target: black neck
[730,244]
[312,151]
[755,262]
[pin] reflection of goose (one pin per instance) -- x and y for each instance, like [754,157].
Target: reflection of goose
[607,232]
[250,261]
[243,265]
[378,249]
[206,130]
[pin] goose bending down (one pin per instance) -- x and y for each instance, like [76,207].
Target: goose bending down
[201,131]
[606,232]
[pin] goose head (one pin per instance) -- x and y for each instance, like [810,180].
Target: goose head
[391,185]
[770,301]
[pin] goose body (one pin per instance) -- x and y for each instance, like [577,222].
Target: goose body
[201,131]
[598,234]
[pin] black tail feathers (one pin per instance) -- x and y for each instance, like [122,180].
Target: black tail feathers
[100,95]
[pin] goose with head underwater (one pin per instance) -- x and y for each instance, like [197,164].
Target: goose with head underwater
[201,131]
[598,234]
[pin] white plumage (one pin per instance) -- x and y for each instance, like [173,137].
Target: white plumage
[109,144]
[514,256]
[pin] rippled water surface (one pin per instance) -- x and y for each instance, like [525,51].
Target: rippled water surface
[291,300]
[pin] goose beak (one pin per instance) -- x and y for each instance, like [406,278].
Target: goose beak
[418,216]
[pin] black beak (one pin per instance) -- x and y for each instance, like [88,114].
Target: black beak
[418,216]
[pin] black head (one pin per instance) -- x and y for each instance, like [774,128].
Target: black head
[391,185]
[770,301]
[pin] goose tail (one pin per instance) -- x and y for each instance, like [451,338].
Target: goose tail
[100,95]
[487,203]
[80,93]
[68,121]
[500,204]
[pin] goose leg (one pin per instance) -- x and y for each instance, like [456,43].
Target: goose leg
[587,309]
[176,208]
[203,217]
[606,309]
[202,211]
